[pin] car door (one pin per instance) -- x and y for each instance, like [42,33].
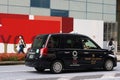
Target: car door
[83,56]
[91,54]
[72,51]
[62,48]
[68,41]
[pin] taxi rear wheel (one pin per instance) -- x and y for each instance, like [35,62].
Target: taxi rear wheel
[108,66]
[39,69]
[56,67]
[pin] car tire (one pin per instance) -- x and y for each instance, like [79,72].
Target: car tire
[108,66]
[56,67]
[39,69]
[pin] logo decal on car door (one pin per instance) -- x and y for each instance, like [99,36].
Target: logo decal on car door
[75,59]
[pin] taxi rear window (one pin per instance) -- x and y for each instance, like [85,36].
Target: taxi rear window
[39,41]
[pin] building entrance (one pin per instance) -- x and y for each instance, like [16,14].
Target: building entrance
[110,31]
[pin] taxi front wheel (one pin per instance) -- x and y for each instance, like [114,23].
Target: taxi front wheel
[108,66]
[56,67]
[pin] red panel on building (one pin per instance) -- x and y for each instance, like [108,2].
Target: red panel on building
[13,16]
[65,23]
[27,28]
[14,25]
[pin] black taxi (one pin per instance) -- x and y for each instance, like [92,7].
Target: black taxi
[58,52]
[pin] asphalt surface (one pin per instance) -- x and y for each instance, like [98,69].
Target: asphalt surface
[22,72]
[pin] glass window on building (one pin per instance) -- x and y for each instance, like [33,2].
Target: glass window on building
[63,13]
[40,3]
[118,20]
[110,31]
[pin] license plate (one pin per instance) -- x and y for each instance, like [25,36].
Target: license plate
[31,52]
[31,56]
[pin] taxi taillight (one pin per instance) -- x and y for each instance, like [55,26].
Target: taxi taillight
[28,48]
[43,51]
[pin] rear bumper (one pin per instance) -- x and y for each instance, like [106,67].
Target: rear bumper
[44,63]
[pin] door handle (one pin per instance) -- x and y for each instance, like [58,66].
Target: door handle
[86,52]
[66,52]
[100,56]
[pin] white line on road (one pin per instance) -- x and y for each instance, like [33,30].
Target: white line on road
[109,75]
[20,79]
[14,71]
[63,78]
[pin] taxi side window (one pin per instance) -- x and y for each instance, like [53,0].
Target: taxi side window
[69,43]
[88,44]
[53,42]
[78,43]
[73,42]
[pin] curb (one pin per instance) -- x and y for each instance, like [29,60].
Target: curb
[11,62]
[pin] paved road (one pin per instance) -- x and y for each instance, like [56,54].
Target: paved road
[22,72]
